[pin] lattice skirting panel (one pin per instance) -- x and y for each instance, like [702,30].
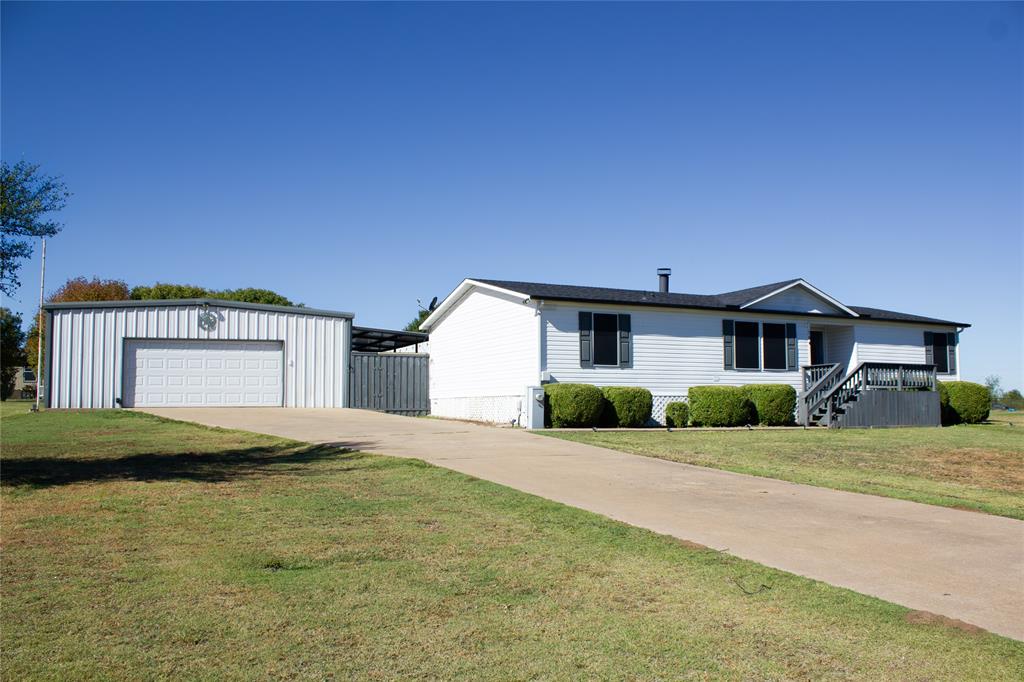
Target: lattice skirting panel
[660,401]
[498,409]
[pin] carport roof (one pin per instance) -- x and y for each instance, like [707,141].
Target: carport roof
[177,302]
[369,340]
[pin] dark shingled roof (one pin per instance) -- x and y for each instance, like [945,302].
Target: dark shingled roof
[730,300]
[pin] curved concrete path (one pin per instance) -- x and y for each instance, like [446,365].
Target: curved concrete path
[959,564]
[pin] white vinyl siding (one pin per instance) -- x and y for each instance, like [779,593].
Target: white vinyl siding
[672,350]
[839,346]
[797,300]
[86,352]
[881,342]
[484,352]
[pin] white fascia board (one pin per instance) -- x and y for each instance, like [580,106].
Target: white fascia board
[453,298]
[806,285]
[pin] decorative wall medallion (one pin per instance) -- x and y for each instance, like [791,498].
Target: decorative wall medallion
[207,321]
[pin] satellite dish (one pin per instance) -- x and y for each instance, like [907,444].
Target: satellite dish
[433,304]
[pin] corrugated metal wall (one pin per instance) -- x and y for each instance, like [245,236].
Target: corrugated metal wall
[87,344]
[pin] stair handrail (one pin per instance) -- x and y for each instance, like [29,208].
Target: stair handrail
[814,396]
[854,382]
[813,373]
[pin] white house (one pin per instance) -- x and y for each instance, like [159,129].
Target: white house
[491,340]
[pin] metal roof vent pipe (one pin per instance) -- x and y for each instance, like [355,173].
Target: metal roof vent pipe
[663,274]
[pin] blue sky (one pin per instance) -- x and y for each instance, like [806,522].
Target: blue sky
[359,157]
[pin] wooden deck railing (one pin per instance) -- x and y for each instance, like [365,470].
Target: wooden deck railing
[819,380]
[814,373]
[833,391]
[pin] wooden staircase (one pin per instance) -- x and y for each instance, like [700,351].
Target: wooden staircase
[830,393]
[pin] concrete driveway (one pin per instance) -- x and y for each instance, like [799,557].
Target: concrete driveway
[959,564]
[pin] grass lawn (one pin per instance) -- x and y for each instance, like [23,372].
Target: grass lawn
[135,547]
[978,467]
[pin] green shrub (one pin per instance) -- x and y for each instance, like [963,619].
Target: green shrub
[774,403]
[947,414]
[720,406]
[964,402]
[626,406]
[571,405]
[677,415]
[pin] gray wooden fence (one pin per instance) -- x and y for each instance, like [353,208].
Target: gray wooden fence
[392,382]
[892,408]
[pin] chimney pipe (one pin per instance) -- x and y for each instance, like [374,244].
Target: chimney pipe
[663,274]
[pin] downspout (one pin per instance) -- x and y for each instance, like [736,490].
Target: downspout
[541,351]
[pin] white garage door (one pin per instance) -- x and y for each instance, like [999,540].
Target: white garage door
[202,373]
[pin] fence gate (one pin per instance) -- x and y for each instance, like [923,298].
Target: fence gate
[393,382]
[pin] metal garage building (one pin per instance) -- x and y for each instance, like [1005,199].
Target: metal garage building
[195,352]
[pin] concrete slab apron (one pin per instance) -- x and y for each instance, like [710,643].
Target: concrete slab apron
[959,564]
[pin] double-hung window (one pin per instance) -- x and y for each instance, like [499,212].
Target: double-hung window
[605,339]
[940,350]
[751,345]
[774,345]
[748,356]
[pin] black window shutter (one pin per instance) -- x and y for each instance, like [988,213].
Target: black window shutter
[625,341]
[951,349]
[929,349]
[586,339]
[727,343]
[791,356]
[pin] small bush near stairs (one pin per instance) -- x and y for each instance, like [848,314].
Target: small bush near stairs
[964,402]
[774,403]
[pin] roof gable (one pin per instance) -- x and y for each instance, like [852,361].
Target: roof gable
[796,296]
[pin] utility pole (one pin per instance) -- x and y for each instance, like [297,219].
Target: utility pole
[39,327]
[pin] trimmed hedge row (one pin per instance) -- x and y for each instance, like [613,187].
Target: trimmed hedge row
[964,402]
[774,404]
[720,406]
[583,405]
[573,405]
[626,406]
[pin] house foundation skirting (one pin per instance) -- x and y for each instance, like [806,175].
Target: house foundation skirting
[498,409]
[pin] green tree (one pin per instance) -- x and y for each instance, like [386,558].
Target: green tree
[75,289]
[27,197]
[11,355]
[250,295]
[1014,399]
[162,291]
[414,325]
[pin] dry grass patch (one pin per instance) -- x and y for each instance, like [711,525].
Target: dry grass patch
[978,467]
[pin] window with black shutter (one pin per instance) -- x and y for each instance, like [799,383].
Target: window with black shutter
[938,351]
[606,340]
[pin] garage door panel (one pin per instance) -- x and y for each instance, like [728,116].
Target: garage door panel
[168,372]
